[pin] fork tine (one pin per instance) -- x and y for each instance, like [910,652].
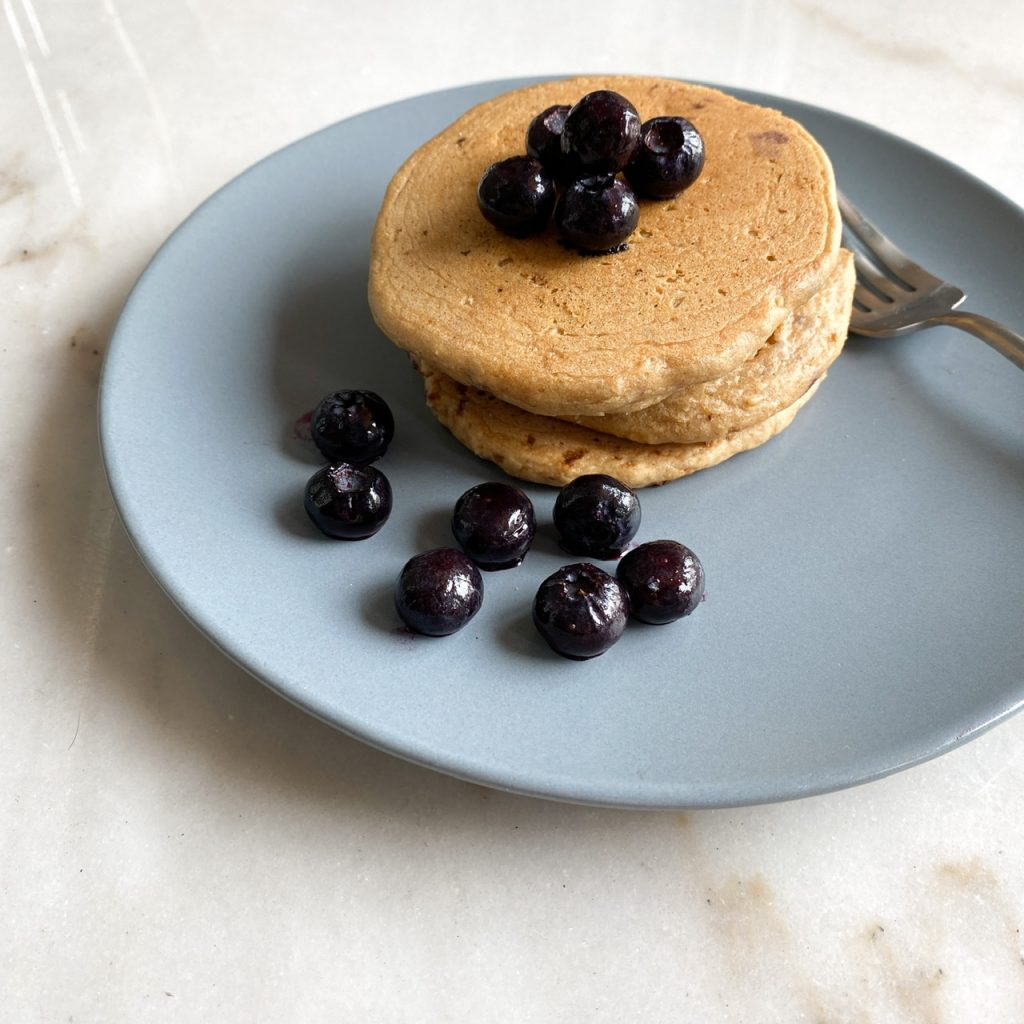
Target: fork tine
[865,299]
[888,255]
[883,286]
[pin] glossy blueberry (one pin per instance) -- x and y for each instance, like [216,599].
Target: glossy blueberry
[664,578]
[596,515]
[438,592]
[352,426]
[348,502]
[669,158]
[581,610]
[517,195]
[494,524]
[544,142]
[597,214]
[601,132]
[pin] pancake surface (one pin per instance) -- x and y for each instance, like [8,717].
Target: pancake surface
[551,451]
[706,279]
[802,348]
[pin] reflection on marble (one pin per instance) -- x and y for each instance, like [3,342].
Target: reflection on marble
[178,841]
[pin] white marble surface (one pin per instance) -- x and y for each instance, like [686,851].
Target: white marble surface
[177,843]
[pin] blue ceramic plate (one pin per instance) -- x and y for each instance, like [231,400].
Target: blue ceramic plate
[864,569]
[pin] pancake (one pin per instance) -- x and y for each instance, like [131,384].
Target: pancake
[551,451]
[705,280]
[802,348]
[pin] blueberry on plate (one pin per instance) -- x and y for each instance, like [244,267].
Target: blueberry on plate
[544,142]
[494,524]
[438,592]
[669,158]
[348,502]
[352,426]
[596,515]
[517,195]
[601,132]
[597,214]
[581,610]
[665,580]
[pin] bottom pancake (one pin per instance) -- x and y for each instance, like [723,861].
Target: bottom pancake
[551,451]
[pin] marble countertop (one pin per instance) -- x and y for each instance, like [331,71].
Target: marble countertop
[178,843]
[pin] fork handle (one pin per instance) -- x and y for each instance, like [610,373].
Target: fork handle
[1002,339]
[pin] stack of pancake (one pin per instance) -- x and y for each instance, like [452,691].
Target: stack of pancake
[700,340]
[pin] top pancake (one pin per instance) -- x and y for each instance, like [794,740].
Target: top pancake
[707,276]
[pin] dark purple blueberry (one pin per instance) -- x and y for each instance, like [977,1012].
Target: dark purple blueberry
[348,502]
[494,523]
[352,426]
[438,592]
[517,195]
[596,515]
[597,214]
[669,158]
[544,143]
[665,580]
[581,610]
[601,132]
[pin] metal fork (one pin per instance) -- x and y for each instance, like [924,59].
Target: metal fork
[898,296]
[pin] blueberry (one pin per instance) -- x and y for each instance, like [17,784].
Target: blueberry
[665,580]
[438,592]
[669,158]
[352,426]
[544,142]
[517,195]
[348,502]
[597,214]
[494,524]
[596,515]
[581,610]
[601,132]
